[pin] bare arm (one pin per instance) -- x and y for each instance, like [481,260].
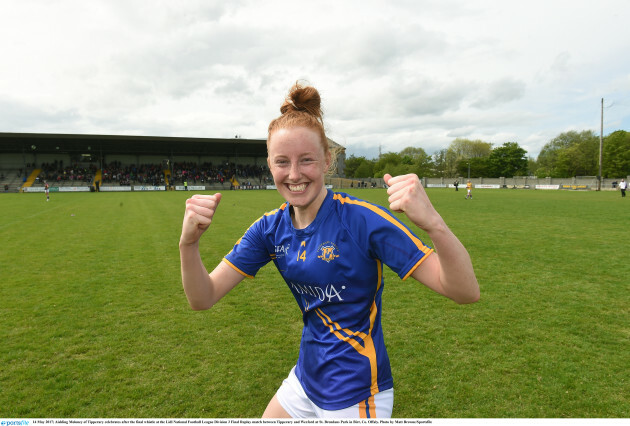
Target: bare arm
[449,270]
[203,290]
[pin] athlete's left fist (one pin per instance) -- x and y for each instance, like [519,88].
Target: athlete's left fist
[406,194]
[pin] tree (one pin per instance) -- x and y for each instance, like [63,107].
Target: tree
[531,164]
[466,148]
[365,170]
[507,161]
[569,154]
[415,153]
[351,164]
[391,163]
[463,150]
[422,162]
[440,167]
[409,160]
[479,167]
[616,155]
[580,159]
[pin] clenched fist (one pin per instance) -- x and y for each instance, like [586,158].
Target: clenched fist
[199,212]
[406,194]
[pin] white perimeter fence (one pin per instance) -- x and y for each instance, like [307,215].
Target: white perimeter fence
[576,183]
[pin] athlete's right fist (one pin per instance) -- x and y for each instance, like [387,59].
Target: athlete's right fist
[199,212]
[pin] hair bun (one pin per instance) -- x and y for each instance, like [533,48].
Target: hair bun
[301,108]
[303,98]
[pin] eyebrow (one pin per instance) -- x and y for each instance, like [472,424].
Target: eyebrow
[305,154]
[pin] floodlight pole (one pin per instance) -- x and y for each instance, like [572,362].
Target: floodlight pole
[601,143]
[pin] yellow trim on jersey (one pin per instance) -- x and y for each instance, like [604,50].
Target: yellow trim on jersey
[368,350]
[236,269]
[271,213]
[384,215]
[424,249]
[366,405]
[418,264]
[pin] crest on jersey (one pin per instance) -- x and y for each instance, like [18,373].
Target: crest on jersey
[327,251]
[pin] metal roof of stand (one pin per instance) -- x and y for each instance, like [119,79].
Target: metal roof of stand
[49,143]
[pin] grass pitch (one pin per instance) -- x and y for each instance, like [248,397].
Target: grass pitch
[94,322]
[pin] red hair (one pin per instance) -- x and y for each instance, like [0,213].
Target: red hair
[301,108]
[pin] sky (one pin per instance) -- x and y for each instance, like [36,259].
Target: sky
[391,74]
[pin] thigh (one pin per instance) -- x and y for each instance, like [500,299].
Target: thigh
[275,411]
[293,400]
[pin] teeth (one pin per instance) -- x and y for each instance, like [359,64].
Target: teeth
[297,188]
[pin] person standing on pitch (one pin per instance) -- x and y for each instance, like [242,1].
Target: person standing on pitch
[330,249]
[468,190]
[623,185]
[47,190]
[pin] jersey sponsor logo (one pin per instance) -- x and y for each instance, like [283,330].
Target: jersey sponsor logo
[328,251]
[282,250]
[324,294]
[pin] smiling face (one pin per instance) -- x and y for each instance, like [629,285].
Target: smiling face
[298,164]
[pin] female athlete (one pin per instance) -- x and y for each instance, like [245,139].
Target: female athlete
[330,249]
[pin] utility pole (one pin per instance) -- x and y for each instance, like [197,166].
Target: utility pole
[601,143]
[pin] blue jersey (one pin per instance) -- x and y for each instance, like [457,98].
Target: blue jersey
[334,268]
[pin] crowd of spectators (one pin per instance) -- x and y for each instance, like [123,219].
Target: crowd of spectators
[56,172]
[209,173]
[145,174]
[153,174]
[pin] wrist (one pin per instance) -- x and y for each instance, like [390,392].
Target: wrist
[187,245]
[437,229]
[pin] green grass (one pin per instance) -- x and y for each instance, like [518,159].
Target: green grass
[94,322]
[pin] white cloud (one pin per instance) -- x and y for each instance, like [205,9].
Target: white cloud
[390,74]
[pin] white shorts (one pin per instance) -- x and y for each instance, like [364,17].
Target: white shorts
[294,400]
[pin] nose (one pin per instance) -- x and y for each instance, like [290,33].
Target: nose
[294,172]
